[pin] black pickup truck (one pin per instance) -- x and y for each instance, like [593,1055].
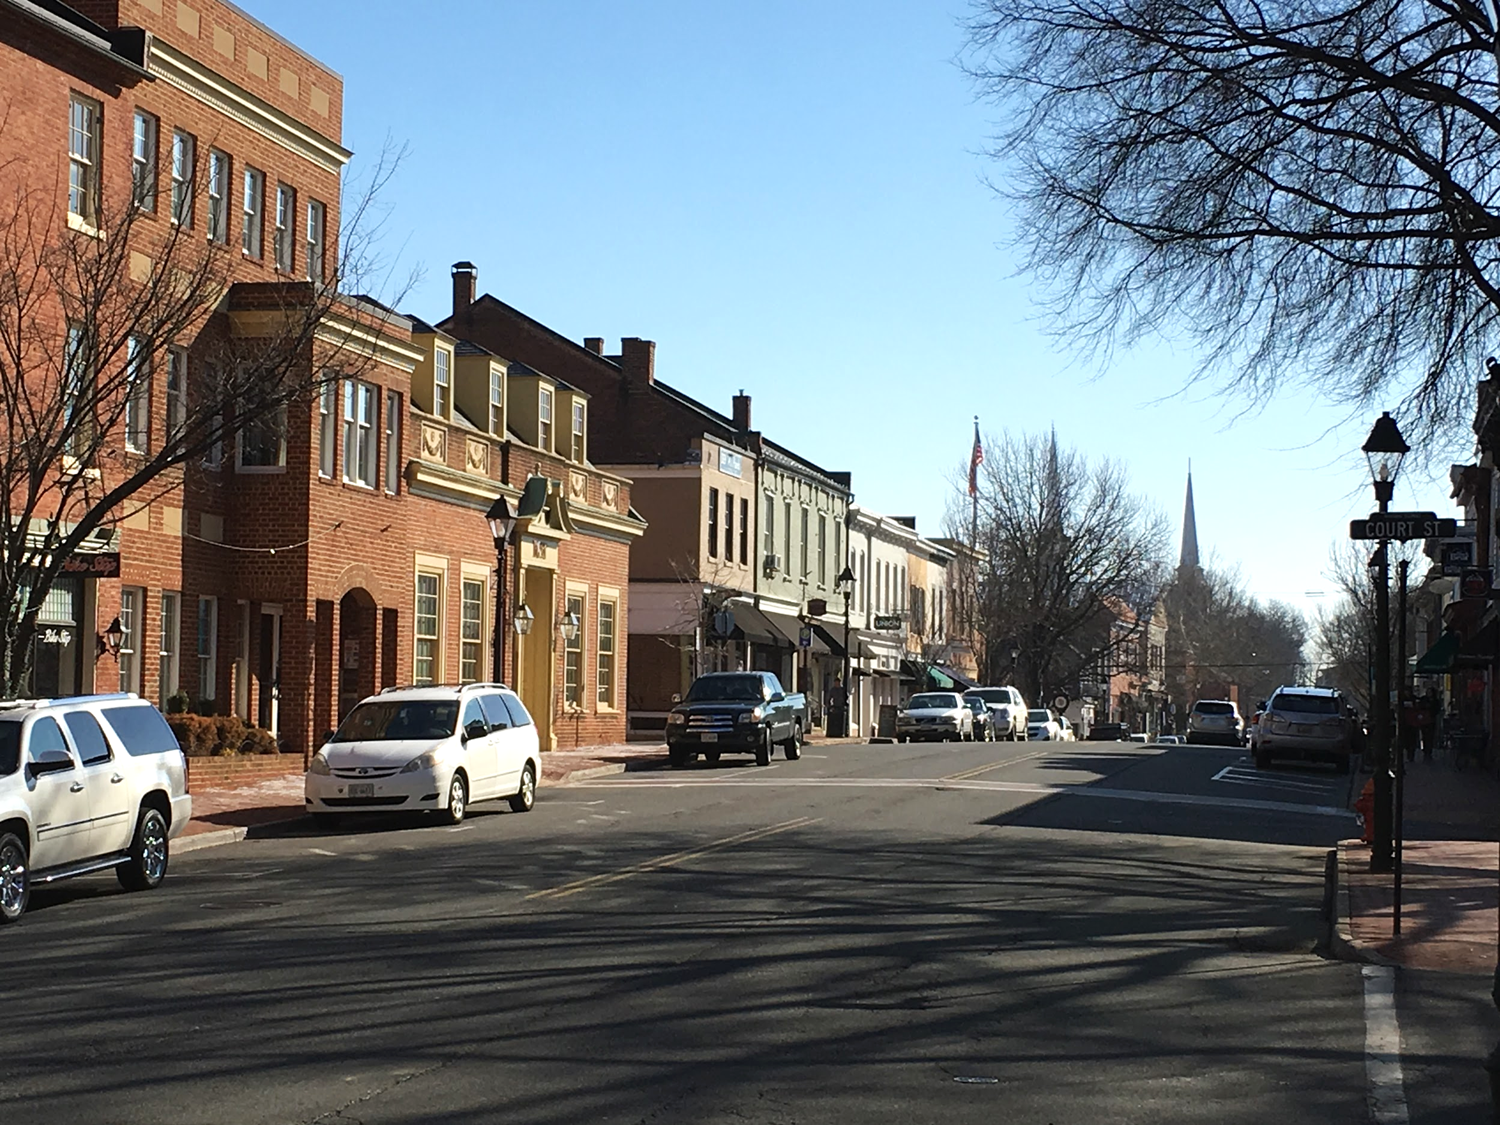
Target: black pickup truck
[738,712]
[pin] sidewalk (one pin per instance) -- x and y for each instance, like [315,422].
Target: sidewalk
[1451,864]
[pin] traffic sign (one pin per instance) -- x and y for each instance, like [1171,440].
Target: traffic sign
[1403,525]
[804,636]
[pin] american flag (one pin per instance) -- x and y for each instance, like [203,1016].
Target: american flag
[975,460]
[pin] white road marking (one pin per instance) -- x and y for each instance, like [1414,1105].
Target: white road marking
[321,851]
[1385,1087]
[1236,775]
[1082,790]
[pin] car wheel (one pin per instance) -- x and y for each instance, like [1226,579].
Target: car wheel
[147,865]
[711,755]
[325,819]
[1262,760]
[15,882]
[763,751]
[677,757]
[792,747]
[458,800]
[525,798]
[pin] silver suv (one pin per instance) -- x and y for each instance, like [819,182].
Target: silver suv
[1216,721]
[1311,724]
[1008,714]
[87,783]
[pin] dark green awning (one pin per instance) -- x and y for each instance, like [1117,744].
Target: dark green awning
[1440,657]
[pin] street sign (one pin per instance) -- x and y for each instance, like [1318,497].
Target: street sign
[1457,556]
[804,636]
[888,621]
[1403,525]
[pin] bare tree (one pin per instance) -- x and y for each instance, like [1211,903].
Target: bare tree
[89,319]
[1068,546]
[1346,633]
[1308,189]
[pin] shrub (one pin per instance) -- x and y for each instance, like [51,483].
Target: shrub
[229,731]
[195,734]
[177,703]
[259,741]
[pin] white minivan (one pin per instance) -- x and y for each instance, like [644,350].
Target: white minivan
[435,749]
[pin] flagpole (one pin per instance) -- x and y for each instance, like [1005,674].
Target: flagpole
[974,492]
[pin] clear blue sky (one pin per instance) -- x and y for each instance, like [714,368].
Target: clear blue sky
[787,197]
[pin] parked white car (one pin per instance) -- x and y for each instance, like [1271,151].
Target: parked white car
[87,783]
[1065,731]
[1042,726]
[939,715]
[1007,710]
[435,749]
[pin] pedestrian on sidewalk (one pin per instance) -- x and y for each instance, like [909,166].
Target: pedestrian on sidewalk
[1412,722]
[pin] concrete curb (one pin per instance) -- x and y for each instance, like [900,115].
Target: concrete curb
[1342,945]
[586,773]
[200,840]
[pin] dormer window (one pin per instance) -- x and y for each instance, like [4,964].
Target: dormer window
[497,402]
[544,419]
[441,381]
[577,452]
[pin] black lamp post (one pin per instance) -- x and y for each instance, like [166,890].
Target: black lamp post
[845,584]
[502,524]
[1384,450]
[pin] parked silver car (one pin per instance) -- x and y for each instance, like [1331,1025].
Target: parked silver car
[1216,721]
[1306,723]
[935,716]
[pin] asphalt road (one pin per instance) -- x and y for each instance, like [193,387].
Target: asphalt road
[959,933]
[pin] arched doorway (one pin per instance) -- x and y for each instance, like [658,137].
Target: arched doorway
[356,651]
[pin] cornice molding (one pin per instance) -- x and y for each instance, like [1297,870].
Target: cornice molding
[234,101]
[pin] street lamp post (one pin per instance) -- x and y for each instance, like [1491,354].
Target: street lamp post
[1384,450]
[502,524]
[845,584]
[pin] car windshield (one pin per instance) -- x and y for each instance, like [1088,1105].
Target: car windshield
[990,695]
[933,700]
[1214,708]
[398,720]
[734,689]
[1038,716]
[10,747]
[978,706]
[1306,704]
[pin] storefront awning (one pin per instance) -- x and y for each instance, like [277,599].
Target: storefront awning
[756,626]
[1439,659]
[959,678]
[932,677]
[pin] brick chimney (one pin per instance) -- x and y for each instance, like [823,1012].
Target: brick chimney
[741,412]
[465,281]
[594,344]
[638,359]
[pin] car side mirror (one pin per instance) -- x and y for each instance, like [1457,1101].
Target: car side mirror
[327,737]
[677,697]
[776,697]
[49,761]
[477,729]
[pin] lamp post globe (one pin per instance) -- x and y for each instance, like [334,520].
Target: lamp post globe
[502,525]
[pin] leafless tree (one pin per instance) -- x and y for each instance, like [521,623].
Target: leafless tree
[1346,633]
[1309,189]
[90,321]
[1068,545]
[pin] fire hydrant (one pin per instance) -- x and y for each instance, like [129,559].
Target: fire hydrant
[1365,806]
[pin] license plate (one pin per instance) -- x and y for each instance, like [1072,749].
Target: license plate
[709,737]
[361,790]
[1304,728]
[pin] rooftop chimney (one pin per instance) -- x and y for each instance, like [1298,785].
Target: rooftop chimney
[638,359]
[465,279]
[742,411]
[594,344]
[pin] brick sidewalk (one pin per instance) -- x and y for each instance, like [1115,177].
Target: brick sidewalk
[1449,889]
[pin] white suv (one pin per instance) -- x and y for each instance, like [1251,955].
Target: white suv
[1008,712]
[427,749]
[86,784]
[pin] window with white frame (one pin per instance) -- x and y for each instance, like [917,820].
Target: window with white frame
[177,374]
[218,196]
[253,208]
[427,623]
[392,442]
[770,528]
[312,262]
[132,601]
[166,673]
[806,518]
[442,377]
[573,653]
[608,623]
[137,395]
[729,527]
[577,452]
[745,531]
[544,419]
[286,227]
[78,378]
[213,456]
[143,156]
[359,433]
[184,165]
[786,536]
[713,523]
[208,648]
[822,549]
[471,636]
[328,399]
[83,158]
[261,442]
[497,402]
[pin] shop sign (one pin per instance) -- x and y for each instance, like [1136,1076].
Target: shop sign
[1475,582]
[731,463]
[1457,556]
[888,621]
[104,564]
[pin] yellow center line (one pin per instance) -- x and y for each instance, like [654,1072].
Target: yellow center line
[977,770]
[566,889]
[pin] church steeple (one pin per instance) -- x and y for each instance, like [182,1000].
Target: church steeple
[1189,558]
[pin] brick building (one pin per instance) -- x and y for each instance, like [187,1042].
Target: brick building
[340,544]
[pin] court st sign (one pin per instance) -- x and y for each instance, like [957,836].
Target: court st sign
[1403,525]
